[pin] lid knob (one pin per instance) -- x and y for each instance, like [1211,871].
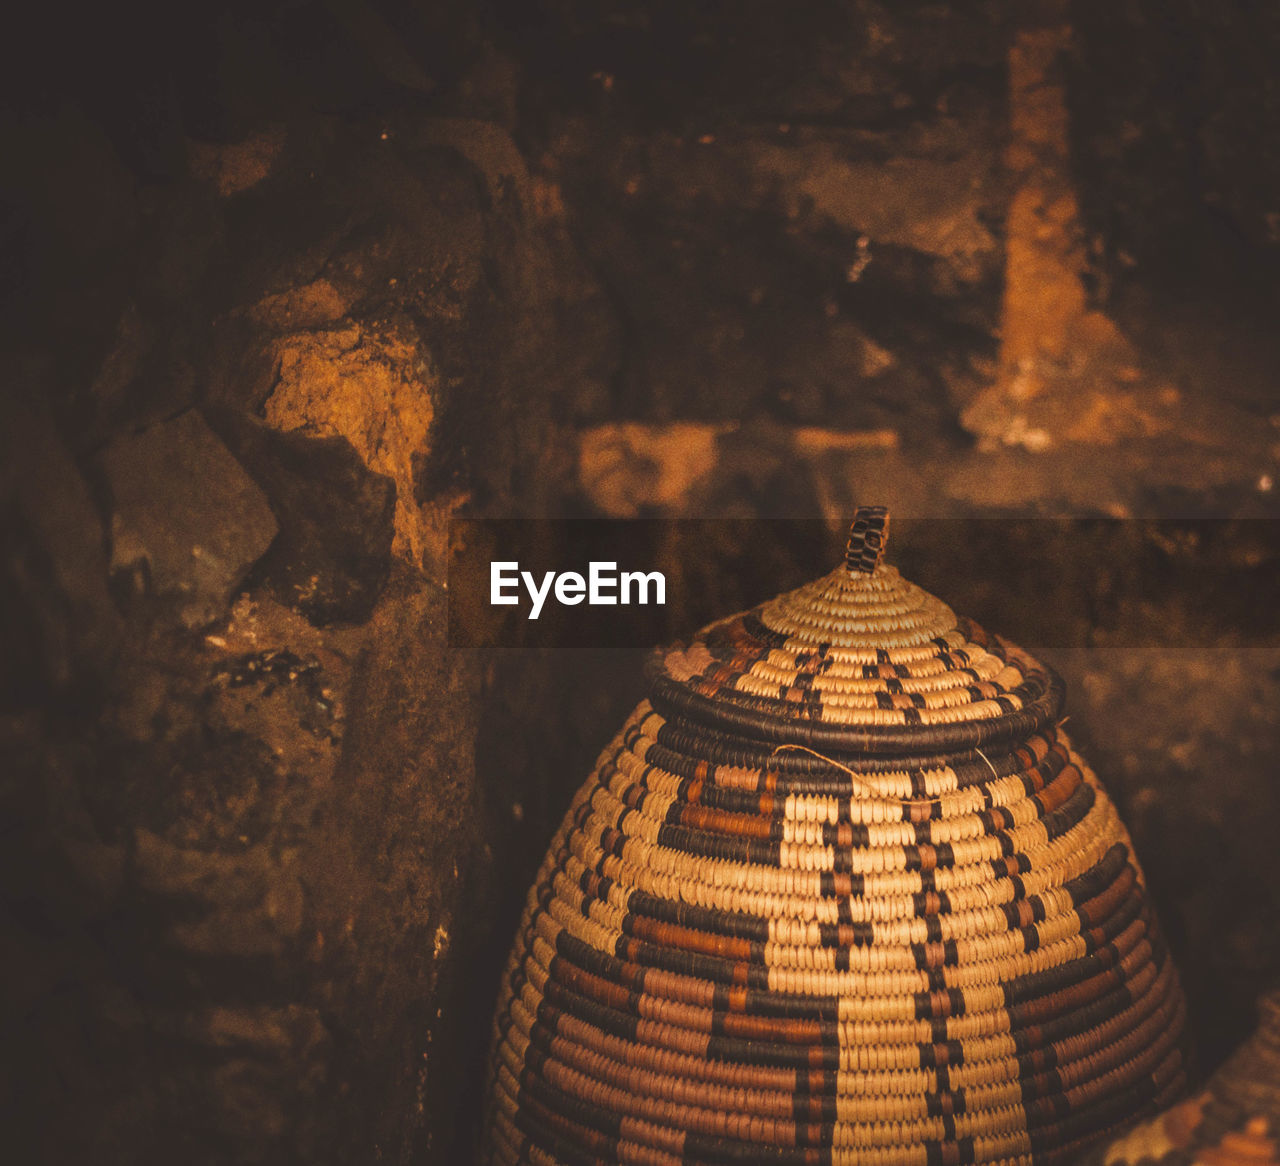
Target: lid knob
[867,536]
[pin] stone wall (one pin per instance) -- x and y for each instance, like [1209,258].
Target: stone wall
[288,288]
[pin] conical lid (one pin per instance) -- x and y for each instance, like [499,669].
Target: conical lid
[858,661]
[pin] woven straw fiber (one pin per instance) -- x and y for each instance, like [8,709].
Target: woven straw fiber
[1235,1121]
[839,891]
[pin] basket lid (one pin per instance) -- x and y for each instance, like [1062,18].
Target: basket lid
[860,661]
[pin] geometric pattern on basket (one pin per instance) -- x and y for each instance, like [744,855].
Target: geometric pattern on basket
[855,652]
[839,891]
[867,537]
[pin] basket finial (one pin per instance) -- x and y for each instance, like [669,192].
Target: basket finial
[867,536]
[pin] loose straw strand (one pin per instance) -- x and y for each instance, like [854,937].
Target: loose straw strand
[987,759]
[860,782]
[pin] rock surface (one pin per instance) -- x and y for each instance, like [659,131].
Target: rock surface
[332,557]
[544,259]
[185,517]
[59,624]
[373,391]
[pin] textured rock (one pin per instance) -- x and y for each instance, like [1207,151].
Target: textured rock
[57,621]
[394,876]
[805,233]
[239,933]
[245,905]
[285,826]
[376,391]
[1177,119]
[630,469]
[238,166]
[332,557]
[932,205]
[790,275]
[184,507]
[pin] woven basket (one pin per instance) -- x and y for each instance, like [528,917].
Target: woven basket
[1234,1122]
[840,891]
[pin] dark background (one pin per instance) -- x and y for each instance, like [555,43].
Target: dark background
[288,286]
